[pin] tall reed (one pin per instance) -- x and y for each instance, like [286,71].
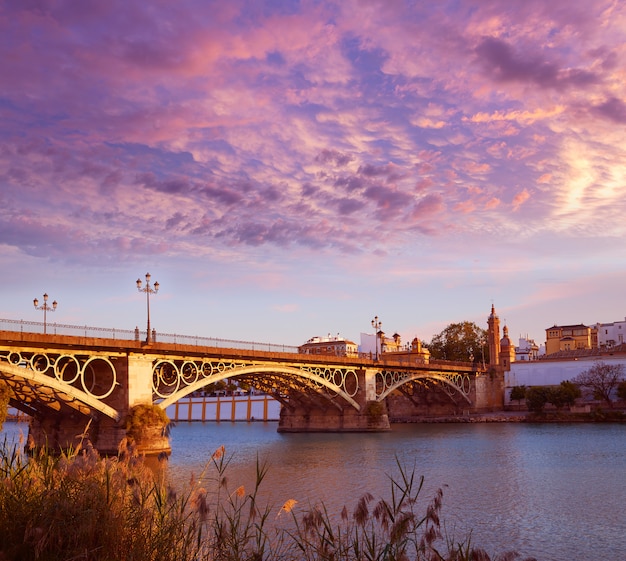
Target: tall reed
[78,506]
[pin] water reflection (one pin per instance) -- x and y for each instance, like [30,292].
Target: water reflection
[552,491]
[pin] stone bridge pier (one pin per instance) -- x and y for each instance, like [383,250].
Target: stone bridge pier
[335,414]
[73,395]
[107,430]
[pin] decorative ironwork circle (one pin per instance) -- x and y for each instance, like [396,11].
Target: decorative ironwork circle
[466,385]
[338,378]
[189,372]
[97,376]
[351,383]
[14,358]
[67,369]
[39,362]
[165,375]
[387,379]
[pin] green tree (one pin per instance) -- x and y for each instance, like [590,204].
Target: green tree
[601,379]
[518,393]
[537,397]
[569,392]
[463,342]
[556,396]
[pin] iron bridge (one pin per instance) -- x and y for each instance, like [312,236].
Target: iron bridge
[90,378]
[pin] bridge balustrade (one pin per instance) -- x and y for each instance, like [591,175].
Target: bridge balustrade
[131,335]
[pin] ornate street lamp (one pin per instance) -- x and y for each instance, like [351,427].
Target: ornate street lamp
[148,290]
[376,325]
[46,308]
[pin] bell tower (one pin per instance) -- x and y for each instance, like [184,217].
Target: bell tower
[507,350]
[493,337]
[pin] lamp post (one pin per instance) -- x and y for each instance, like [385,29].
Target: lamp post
[482,350]
[46,308]
[376,324]
[148,290]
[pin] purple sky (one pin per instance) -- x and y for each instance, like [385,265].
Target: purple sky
[291,169]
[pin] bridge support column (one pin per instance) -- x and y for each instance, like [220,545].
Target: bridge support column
[370,384]
[147,422]
[489,391]
[300,416]
[66,432]
[139,421]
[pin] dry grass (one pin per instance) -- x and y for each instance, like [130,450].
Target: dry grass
[81,507]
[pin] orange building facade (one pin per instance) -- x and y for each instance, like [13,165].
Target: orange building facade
[570,338]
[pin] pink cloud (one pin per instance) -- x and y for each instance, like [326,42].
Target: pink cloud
[465,207]
[424,184]
[492,203]
[475,167]
[428,207]
[545,178]
[519,199]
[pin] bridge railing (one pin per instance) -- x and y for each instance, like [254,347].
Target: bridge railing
[198,341]
[135,335]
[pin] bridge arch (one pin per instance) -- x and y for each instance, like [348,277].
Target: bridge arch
[389,381]
[336,381]
[51,391]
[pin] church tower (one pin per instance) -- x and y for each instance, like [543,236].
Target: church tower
[507,350]
[493,336]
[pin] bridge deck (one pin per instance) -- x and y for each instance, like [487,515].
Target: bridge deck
[90,344]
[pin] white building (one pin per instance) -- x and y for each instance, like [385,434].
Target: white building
[611,334]
[552,372]
[368,344]
[528,350]
[330,345]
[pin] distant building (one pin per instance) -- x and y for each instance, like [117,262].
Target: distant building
[501,350]
[493,337]
[393,349]
[528,350]
[507,350]
[388,345]
[330,345]
[413,353]
[570,337]
[610,334]
[370,343]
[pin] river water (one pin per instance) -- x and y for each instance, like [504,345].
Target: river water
[556,492]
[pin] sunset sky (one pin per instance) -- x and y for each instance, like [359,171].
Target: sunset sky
[289,169]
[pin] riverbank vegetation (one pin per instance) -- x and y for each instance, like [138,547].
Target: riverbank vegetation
[601,382]
[80,506]
[4,402]
[596,415]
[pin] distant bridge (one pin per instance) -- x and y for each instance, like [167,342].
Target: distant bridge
[63,381]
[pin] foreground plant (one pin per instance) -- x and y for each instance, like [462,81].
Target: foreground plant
[384,530]
[236,524]
[79,506]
